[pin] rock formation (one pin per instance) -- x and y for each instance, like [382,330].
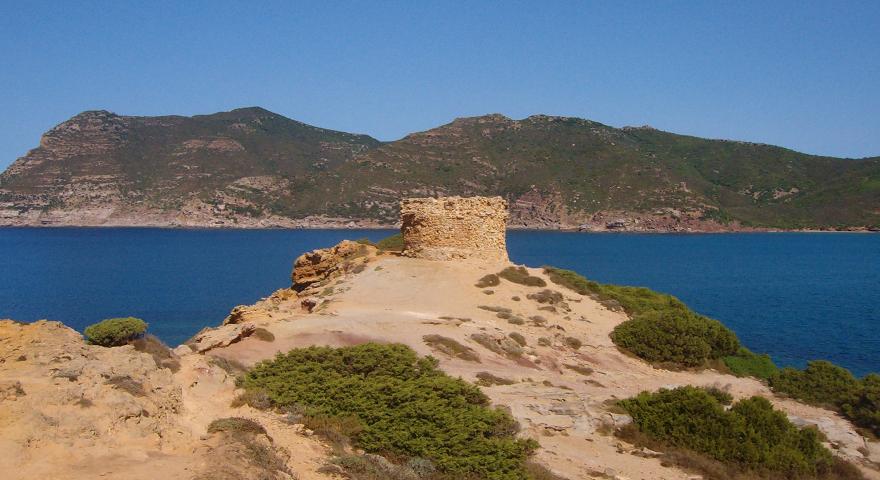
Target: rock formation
[449,228]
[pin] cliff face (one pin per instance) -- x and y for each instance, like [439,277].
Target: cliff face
[251,167]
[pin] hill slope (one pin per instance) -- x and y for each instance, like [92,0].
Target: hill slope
[251,167]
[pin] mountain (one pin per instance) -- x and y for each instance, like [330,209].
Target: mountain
[251,167]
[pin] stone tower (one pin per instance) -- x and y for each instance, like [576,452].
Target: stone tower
[448,228]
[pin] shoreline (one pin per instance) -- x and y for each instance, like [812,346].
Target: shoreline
[863,230]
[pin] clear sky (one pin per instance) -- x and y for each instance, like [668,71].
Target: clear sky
[804,75]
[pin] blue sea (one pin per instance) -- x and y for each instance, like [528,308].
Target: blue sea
[796,296]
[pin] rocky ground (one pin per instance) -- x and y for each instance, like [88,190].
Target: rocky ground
[70,410]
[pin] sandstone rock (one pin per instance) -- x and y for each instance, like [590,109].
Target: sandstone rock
[449,228]
[211,338]
[245,313]
[320,265]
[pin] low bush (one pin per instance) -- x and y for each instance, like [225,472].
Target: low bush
[579,369]
[661,328]
[263,334]
[394,243]
[675,338]
[503,346]
[150,344]
[827,385]
[490,280]
[236,425]
[487,379]
[407,406]
[451,347]
[548,296]
[518,338]
[748,364]
[864,409]
[114,332]
[751,436]
[127,385]
[821,383]
[521,276]
[573,342]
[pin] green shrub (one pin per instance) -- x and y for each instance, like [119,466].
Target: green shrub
[115,331]
[748,364]
[675,338]
[661,328]
[864,410]
[518,338]
[821,383]
[394,243]
[407,406]
[521,276]
[750,435]
[825,384]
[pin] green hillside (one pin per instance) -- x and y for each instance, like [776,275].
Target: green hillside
[555,171]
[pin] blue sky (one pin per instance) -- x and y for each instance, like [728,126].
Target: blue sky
[804,75]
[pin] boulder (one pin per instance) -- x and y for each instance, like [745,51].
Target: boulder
[210,338]
[325,263]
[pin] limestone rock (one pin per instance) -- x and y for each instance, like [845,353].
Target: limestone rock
[210,338]
[320,265]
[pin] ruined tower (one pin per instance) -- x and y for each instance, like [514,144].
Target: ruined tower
[449,228]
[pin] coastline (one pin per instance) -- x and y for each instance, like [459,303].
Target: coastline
[335,226]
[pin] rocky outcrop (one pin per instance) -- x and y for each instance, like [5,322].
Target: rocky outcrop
[448,228]
[320,265]
[223,336]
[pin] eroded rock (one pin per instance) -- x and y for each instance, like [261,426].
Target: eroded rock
[320,265]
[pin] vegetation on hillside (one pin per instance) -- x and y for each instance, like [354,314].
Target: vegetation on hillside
[115,331]
[394,402]
[664,331]
[827,385]
[751,438]
[661,328]
[262,163]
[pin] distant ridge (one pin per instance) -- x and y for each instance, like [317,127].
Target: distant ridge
[250,167]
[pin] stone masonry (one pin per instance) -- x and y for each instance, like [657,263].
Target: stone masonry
[448,228]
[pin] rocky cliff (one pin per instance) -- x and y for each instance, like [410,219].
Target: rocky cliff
[254,168]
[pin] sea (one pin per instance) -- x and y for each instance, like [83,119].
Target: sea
[795,296]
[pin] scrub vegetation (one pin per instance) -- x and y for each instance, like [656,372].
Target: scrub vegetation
[398,404]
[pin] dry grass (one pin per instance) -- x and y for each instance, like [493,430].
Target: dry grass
[236,425]
[487,379]
[451,347]
[548,296]
[232,367]
[490,280]
[254,398]
[263,334]
[128,385]
[579,369]
[503,346]
[521,276]
[160,352]
[518,338]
